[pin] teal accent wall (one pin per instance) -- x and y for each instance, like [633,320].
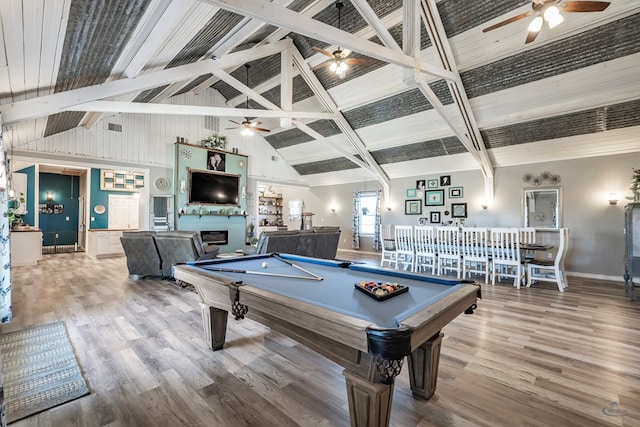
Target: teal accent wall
[30,217]
[215,217]
[100,197]
[59,215]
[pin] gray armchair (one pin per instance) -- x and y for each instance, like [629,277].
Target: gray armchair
[179,247]
[143,258]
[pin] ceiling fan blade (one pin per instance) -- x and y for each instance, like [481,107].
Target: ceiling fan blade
[230,128]
[531,36]
[234,122]
[356,61]
[583,6]
[262,129]
[508,21]
[322,51]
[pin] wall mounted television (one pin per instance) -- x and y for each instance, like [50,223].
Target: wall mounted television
[213,188]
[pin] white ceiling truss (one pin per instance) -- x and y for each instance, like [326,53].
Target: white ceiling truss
[95,99]
[166,27]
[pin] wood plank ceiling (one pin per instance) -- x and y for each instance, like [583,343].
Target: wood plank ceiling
[436,94]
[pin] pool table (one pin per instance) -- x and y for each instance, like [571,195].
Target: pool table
[315,302]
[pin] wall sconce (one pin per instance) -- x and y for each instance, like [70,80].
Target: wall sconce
[483,204]
[49,196]
[613,198]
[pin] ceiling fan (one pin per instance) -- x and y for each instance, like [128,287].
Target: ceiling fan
[339,61]
[549,11]
[248,127]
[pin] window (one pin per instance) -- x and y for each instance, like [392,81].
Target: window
[368,203]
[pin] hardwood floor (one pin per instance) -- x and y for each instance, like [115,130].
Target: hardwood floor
[528,357]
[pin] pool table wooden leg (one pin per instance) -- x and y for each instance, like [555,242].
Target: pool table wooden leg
[369,403]
[214,322]
[423,367]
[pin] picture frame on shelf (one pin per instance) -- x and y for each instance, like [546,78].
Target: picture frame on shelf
[423,221]
[445,180]
[456,192]
[434,217]
[413,207]
[458,210]
[216,161]
[432,183]
[411,192]
[434,198]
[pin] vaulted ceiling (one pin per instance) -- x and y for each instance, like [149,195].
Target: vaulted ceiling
[435,93]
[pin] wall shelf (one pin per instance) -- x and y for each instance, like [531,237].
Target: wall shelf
[199,215]
[269,210]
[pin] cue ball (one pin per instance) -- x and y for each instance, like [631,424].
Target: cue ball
[265,264]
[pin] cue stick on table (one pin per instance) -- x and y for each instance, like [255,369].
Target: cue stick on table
[298,267]
[262,273]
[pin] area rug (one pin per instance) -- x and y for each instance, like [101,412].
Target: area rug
[40,370]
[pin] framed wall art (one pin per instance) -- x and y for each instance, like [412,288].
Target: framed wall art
[432,183]
[121,180]
[412,207]
[411,192]
[434,198]
[458,210]
[445,180]
[434,217]
[423,221]
[455,192]
[420,184]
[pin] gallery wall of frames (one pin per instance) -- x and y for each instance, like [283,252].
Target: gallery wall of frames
[434,199]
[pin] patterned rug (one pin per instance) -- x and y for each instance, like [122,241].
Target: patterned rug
[39,369]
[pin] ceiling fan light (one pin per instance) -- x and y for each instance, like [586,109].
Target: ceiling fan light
[246,132]
[550,13]
[536,24]
[555,20]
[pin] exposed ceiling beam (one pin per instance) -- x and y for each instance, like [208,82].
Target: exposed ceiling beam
[54,103]
[192,110]
[286,85]
[376,24]
[274,37]
[320,139]
[301,24]
[325,99]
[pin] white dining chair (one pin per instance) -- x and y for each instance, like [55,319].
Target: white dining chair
[552,270]
[527,236]
[404,247]
[388,255]
[475,252]
[425,249]
[505,255]
[449,258]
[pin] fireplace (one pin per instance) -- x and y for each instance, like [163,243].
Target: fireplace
[215,237]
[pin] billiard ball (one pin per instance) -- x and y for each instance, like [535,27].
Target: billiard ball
[265,264]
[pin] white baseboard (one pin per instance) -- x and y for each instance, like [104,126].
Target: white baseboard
[618,279]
